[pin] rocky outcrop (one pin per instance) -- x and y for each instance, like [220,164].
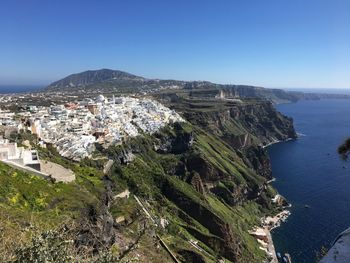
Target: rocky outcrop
[178,142]
[96,228]
[197,183]
[242,124]
[198,164]
[226,241]
[126,157]
[258,158]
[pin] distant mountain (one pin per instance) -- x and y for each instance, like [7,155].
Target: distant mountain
[107,80]
[92,77]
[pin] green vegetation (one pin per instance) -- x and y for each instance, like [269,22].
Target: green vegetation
[171,195]
[35,195]
[30,204]
[205,178]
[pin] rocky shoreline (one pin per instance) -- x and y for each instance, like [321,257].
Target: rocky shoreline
[277,141]
[263,233]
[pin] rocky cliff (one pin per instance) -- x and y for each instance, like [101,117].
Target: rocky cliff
[198,186]
[208,177]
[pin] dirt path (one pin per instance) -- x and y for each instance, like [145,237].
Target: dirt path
[57,171]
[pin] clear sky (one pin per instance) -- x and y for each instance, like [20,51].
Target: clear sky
[271,43]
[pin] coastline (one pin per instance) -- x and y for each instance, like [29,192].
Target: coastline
[278,141]
[298,237]
[270,143]
[263,233]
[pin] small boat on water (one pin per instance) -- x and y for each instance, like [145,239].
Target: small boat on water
[278,254]
[307,206]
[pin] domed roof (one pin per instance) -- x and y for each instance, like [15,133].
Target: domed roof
[101,98]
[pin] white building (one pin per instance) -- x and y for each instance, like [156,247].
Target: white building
[9,152]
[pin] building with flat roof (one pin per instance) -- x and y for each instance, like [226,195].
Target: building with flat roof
[9,152]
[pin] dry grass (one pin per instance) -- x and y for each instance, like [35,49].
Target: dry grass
[11,237]
[18,244]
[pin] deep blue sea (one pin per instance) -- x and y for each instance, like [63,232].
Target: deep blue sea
[18,89]
[308,171]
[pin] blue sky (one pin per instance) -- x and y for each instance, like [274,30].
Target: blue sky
[271,43]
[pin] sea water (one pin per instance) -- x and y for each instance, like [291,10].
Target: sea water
[312,176]
[18,89]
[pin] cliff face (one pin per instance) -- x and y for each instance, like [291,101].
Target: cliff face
[275,95]
[244,126]
[208,176]
[203,183]
[241,124]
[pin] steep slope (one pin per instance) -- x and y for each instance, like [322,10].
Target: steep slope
[30,204]
[203,184]
[209,188]
[242,125]
[240,122]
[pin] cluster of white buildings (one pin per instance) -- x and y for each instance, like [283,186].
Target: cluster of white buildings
[7,118]
[19,156]
[75,127]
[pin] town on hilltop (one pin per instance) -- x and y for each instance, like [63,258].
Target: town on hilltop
[74,127]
